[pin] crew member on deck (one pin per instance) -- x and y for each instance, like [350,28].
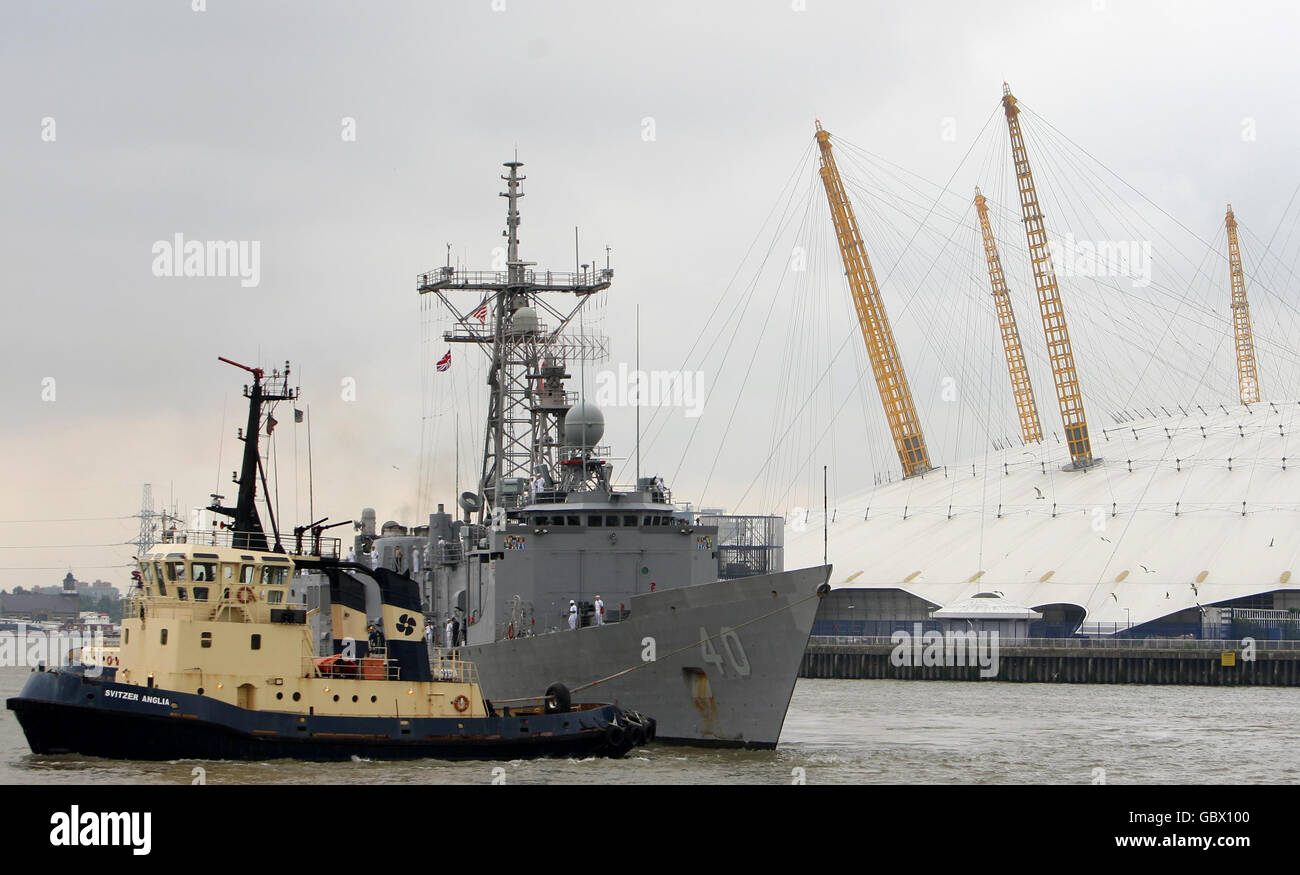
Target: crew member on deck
[573,614]
[599,615]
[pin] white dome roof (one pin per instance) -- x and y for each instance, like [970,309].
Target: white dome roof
[1184,510]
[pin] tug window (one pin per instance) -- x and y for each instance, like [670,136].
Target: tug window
[126,636]
[274,596]
[255,643]
[205,639]
[162,637]
[180,593]
[205,571]
[175,571]
[200,593]
[228,572]
[146,572]
[272,576]
[246,573]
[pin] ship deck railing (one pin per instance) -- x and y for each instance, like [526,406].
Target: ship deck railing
[308,545]
[445,665]
[592,280]
[1081,643]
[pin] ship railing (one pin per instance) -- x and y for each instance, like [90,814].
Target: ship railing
[449,552]
[446,666]
[375,666]
[450,278]
[1080,643]
[304,545]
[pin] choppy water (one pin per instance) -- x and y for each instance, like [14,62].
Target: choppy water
[848,732]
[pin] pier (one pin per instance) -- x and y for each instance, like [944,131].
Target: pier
[1191,662]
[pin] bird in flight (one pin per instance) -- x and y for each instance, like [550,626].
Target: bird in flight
[1144,568]
[1040,493]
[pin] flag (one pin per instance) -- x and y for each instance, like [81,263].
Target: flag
[481,313]
[445,362]
[271,423]
[297,415]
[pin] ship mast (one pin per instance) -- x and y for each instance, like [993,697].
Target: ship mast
[527,357]
[248,531]
[1247,370]
[1030,429]
[1059,350]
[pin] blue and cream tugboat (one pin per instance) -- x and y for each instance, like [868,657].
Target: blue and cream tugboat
[236,648]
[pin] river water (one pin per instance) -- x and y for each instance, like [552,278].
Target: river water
[845,732]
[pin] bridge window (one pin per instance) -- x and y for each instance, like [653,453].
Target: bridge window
[175,571]
[629,520]
[273,576]
[540,520]
[274,596]
[204,571]
[558,521]
[593,521]
[575,521]
[246,573]
[611,520]
[200,593]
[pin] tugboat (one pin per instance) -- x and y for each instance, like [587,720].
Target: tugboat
[235,648]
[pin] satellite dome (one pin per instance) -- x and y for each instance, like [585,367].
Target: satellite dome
[524,321]
[584,425]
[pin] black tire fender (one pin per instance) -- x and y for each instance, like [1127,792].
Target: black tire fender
[558,700]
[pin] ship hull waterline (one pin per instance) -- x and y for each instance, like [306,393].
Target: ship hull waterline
[733,690]
[62,712]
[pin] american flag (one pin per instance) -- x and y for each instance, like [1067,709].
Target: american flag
[481,313]
[444,363]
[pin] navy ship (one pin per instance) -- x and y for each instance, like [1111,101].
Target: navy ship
[234,647]
[552,570]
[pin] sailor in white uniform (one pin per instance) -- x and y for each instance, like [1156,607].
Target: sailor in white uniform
[573,614]
[600,611]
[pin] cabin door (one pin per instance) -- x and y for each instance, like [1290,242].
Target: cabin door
[245,696]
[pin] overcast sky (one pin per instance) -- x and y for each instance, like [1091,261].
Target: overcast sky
[665,130]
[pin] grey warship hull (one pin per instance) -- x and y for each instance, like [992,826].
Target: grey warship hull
[726,656]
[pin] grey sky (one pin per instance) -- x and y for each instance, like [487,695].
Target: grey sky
[225,124]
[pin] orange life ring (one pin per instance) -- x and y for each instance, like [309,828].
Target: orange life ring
[460,703]
[245,595]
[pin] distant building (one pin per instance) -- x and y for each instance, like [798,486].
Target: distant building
[39,607]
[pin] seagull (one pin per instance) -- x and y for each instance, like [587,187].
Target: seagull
[1104,538]
[1040,493]
[1166,595]
[1144,568]
[1115,597]
[1195,591]
[1270,542]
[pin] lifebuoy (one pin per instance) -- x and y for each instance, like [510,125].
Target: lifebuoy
[460,703]
[510,631]
[245,595]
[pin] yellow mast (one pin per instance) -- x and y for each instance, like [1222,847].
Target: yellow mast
[1050,307]
[1030,429]
[881,348]
[1247,372]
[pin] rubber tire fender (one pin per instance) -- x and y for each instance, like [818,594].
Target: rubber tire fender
[558,700]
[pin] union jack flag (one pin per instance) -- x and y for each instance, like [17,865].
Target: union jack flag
[481,313]
[444,363]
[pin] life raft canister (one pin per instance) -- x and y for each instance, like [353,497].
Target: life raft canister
[460,703]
